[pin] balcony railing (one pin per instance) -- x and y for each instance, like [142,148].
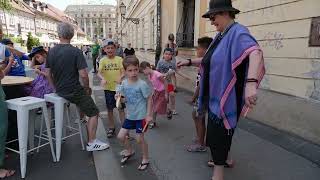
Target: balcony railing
[185,40]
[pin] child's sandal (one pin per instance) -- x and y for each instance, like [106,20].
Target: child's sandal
[143,166]
[152,125]
[111,132]
[125,158]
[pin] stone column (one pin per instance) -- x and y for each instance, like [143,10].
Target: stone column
[104,28]
[91,28]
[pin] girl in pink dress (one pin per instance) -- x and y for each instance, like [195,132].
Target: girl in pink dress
[159,97]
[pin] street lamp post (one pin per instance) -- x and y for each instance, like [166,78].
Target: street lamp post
[123,10]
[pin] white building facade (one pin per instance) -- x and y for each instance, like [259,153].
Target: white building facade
[144,34]
[97,21]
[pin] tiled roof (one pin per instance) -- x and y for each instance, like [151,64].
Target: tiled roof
[21,6]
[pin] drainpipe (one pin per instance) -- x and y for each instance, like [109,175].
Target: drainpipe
[158,48]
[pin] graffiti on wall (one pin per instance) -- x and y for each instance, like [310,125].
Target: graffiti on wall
[273,40]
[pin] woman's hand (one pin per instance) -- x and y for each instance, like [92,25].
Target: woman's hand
[182,63]
[251,94]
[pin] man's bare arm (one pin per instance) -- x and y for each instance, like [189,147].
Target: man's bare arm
[84,77]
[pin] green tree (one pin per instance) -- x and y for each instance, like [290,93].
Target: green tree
[5,5]
[32,42]
[36,41]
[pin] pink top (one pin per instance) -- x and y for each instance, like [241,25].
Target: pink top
[157,84]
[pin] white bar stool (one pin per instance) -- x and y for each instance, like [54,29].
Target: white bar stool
[59,111]
[23,106]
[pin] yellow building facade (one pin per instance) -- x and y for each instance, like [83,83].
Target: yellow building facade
[290,93]
[142,35]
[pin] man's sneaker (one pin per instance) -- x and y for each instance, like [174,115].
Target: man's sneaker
[174,112]
[97,145]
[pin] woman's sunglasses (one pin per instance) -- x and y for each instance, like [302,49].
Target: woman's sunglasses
[212,16]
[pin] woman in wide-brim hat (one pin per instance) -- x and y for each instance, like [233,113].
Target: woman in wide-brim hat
[232,70]
[40,85]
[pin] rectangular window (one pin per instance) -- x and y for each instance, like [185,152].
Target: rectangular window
[31,24]
[2,18]
[27,24]
[42,24]
[12,21]
[22,22]
[38,23]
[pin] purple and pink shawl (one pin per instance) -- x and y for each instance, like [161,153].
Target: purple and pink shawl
[233,49]
[40,85]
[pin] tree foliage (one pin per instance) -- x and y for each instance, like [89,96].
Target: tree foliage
[5,5]
[32,42]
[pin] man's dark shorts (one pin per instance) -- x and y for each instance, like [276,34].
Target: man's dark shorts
[85,103]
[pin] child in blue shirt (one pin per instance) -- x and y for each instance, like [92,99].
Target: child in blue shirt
[15,67]
[138,99]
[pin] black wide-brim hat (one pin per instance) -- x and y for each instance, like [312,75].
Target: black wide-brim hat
[36,50]
[216,6]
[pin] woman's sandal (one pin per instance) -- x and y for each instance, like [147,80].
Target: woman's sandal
[226,165]
[125,158]
[143,166]
[111,132]
[152,125]
[6,173]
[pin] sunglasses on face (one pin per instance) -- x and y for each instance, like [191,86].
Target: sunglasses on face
[213,16]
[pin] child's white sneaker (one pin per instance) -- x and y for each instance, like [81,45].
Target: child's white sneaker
[97,145]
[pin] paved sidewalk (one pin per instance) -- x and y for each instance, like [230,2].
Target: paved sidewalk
[75,164]
[257,157]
